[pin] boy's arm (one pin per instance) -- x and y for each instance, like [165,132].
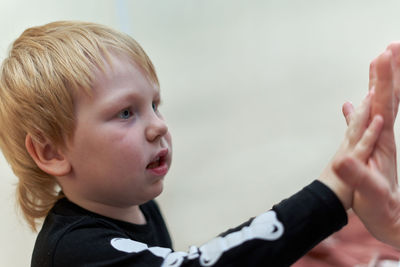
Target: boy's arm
[376,195]
[275,238]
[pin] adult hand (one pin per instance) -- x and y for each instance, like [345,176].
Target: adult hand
[376,198]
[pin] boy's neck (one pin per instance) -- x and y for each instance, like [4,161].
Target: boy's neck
[132,214]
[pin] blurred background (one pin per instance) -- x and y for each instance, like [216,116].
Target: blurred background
[252,92]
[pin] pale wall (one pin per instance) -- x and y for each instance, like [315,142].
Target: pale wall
[252,93]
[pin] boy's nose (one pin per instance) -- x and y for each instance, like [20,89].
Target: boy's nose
[156,129]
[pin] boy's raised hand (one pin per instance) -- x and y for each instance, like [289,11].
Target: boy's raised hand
[376,198]
[359,141]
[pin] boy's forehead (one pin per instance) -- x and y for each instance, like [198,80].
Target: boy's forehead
[118,71]
[116,66]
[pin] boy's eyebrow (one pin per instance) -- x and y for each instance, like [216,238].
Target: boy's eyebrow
[115,99]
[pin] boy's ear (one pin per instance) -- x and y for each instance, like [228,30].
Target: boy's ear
[47,157]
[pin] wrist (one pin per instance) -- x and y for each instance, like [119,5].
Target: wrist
[343,192]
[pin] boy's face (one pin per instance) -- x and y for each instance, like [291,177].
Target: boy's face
[121,148]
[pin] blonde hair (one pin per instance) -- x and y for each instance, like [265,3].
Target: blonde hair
[46,65]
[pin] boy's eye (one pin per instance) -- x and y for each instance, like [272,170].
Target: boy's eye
[125,114]
[154,106]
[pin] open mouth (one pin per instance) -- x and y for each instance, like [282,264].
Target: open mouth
[159,161]
[156,163]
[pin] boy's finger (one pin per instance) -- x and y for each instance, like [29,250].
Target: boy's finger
[347,110]
[359,120]
[365,146]
[359,177]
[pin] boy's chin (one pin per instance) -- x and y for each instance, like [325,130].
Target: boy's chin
[158,189]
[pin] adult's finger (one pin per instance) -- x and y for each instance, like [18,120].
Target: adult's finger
[372,74]
[382,101]
[395,63]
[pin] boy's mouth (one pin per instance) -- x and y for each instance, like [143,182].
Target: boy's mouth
[154,164]
[159,160]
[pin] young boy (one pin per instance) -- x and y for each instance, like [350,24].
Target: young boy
[80,127]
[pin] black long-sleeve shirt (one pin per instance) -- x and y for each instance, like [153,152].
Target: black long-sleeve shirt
[73,236]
